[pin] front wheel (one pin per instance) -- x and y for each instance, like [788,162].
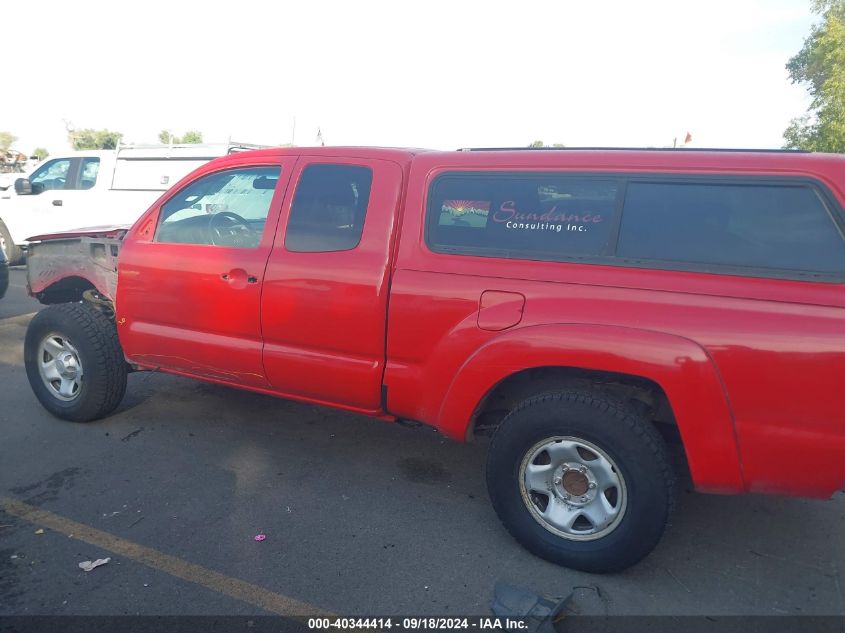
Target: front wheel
[581,480]
[74,361]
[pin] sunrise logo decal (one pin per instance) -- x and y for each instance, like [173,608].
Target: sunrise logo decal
[462,207]
[464,213]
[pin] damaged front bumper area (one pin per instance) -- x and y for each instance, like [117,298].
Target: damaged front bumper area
[60,268]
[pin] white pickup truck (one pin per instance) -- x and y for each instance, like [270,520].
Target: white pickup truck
[94,188]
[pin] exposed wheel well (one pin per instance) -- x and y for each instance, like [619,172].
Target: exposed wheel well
[67,290]
[644,394]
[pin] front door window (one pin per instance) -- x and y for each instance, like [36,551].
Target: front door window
[227,208]
[51,175]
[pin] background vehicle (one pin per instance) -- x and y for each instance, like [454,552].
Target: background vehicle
[92,188]
[4,272]
[13,165]
[583,306]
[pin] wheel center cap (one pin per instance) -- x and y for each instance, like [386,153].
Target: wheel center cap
[575,483]
[66,365]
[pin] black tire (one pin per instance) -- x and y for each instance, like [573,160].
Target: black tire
[13,252]
[94,337]
[640,461]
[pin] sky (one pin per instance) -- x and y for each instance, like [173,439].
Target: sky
[409,73]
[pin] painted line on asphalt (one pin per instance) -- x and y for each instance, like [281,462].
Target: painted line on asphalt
[208,578]
[23,318]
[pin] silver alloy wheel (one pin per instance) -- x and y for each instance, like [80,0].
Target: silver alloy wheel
[60,367]
[573,488]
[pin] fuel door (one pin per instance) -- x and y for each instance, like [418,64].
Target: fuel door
[499,310]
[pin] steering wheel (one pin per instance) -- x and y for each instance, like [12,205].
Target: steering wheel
[230,229]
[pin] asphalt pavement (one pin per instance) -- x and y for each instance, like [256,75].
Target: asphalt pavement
[359,516]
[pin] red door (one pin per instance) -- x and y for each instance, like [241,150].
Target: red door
[190,278]
[324,307]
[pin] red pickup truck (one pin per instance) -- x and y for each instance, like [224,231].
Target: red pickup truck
[583,306]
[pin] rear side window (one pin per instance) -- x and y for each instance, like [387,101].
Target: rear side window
[531,216]
[88,172]
[746,225]
[329,209]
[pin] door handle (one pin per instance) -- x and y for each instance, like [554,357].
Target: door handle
[238,278]
[57,203]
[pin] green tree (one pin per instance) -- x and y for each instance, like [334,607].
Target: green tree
[94,139]
[40,153]
[190,137]
[7,139]
[536,144]
[820,66]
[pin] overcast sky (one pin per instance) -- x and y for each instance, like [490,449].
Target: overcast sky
[405,73]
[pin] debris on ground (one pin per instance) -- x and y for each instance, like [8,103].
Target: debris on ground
[88,565]
[260,537]
[541,612]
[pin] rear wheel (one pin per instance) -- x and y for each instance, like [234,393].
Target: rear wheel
[581,480]
[13,252]
[74,362]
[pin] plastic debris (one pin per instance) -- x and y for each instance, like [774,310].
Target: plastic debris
[88,565]
[539,612]
[39,531]
[260,537]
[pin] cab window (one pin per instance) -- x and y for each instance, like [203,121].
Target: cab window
[88,173]
[328,209]
[51,175]
[227,208]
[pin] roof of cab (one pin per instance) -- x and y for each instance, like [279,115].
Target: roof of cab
[587,159]
[388,153]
